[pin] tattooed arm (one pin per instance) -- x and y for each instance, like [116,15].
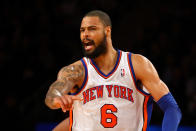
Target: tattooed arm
[68,77]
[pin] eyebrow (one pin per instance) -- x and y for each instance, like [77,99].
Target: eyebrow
[92,26]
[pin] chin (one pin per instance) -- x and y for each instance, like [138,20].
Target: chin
[89,52]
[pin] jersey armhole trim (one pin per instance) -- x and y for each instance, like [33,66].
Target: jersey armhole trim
[70,119]
[133,75]
[147,112]
[85,79]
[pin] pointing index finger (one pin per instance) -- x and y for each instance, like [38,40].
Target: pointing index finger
[76,98]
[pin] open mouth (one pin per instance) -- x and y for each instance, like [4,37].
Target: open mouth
[88,45]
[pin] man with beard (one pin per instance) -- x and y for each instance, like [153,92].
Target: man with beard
[109,96]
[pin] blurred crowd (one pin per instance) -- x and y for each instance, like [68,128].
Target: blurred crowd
[39,37]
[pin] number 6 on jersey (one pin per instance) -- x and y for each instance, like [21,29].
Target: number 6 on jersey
[108,120]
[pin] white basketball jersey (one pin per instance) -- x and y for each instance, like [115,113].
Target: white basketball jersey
[111,102]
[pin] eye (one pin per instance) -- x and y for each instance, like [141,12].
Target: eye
[92,29]
[81,30]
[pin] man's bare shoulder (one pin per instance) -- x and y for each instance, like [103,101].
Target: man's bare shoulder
[139,59]
[74,72]
[142,66]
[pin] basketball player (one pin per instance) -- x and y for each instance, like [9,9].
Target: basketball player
[109,97]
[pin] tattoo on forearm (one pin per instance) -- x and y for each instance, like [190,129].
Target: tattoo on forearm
[58,84]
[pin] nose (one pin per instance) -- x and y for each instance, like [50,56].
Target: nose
[85,33]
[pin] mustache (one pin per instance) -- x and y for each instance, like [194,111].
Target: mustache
[87,39]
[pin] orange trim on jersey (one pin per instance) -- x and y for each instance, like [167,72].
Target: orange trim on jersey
[70,120]
[110,73]
[133,77]
[145,113]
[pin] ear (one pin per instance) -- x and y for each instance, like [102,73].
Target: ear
[108,31]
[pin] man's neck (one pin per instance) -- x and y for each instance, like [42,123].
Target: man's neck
[107,61]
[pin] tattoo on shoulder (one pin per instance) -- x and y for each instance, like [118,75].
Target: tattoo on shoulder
[72,72]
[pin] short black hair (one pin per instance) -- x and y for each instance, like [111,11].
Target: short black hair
[104,17]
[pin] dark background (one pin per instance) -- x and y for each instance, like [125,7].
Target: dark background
[39,37]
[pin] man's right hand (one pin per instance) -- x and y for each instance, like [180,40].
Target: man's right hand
[65,102]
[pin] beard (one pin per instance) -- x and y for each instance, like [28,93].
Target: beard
[99,50]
